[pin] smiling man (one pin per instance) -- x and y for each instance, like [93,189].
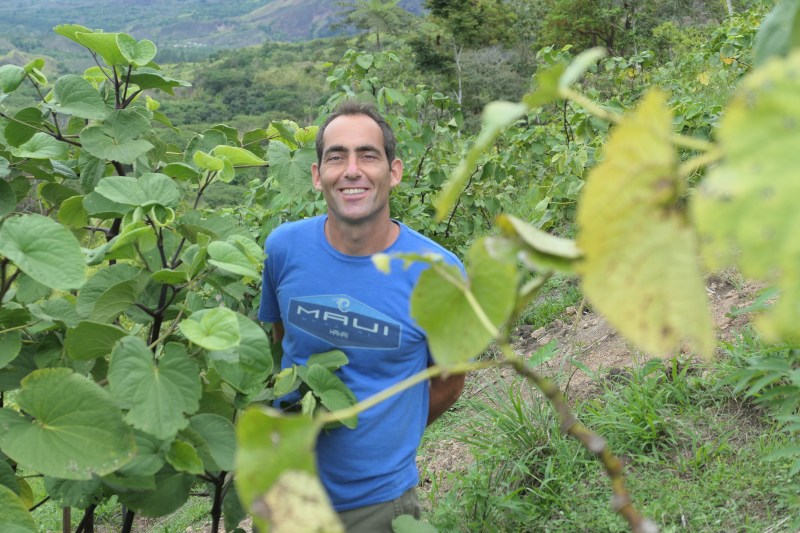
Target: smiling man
[321,292]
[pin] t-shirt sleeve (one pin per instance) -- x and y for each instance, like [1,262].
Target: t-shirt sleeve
[269,310]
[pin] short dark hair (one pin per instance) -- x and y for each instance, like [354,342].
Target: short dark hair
[350,107]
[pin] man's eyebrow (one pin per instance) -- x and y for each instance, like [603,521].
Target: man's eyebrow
[338,148]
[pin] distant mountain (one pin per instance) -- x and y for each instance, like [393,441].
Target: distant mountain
[27,24]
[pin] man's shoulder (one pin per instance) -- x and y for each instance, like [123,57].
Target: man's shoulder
[293,230]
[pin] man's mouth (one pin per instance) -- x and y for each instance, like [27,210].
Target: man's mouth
[350,192]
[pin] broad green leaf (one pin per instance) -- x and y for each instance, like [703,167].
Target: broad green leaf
[92,170]
[239,157]
[232,510]
[90,340]
[213,329]
[157,395]
[76,96]
[148,78]
[41,146]
[333,360]
[332,391]
[99,206]
[72,213]
[640,267]
[148,189]
[247,365]
[27,122]
[104,44]
[8,478]
[460,317]
[276,476]
[149,457]
[405,523]
[137,53]
[33,69]
[29,290]
[249,247]
[10,345]
[181,171]
[8,200]
[10,77]
[170,493]
[116,138]
[103,280]
[497,116]
[170,277]
[56,310]
[208,162]
[219,436]
[72,493]
[15,517]
[76,432]
[71,31]
[56,193]
[745,210]
[228,257]
[292,170]
[183,458]
[115,301]
[778,33]
[44,250]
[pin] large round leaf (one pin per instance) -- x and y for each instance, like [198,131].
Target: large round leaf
[76,96]
[219,439]
[157,395]
[213,329]
[41,146]
[8,200]
[10,344]
[292,170]
[44,250]
[90,340]
[76,431]
[746,210]
[10,77]
[247,365]
[15,517]
[640,267]
[276,475]
[171,492]
[116,138]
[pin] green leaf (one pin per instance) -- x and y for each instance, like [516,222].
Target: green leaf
[275,473]
[157,395]
[231,259]
[640,267]
[292,170]
[239,157]
[10,345]
[497,116]
[461,318]
[77,431]
[247,365]
[745,210]
[779,32]
[56,193]
[8,478]
[56,310]
[183,458]
[148,189]
[72,493]
[44,250]
[545,251]
[99,206]
[72,213]
[219,437]
[27,122]
[332,391]
[116,138]
[181,171]
[8,200]
[333,360]
[171,492]
[137,53]
[76,96]
[213,329]
[405,523]
[104,44]
[90,340]
[41,146]
[149,78]
[10,77]
[103,280]
[208,162]
[15,517]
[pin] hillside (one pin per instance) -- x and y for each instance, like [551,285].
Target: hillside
[187,28]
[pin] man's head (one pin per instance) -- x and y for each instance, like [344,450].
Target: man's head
[355,108]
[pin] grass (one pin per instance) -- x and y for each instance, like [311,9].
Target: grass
[557,294]
[703,452]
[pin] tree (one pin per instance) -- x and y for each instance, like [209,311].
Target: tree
[379,16]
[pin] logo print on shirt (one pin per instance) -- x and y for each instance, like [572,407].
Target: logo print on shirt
[344,322]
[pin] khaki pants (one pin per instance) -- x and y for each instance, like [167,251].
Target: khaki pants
[378,518]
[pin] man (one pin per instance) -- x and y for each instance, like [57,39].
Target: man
[322,292]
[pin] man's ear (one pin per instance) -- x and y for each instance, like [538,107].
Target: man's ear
[396,172]
[315,177]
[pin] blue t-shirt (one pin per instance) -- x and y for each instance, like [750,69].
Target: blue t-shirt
[328,300]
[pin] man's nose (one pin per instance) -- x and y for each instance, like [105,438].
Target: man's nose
[352,166]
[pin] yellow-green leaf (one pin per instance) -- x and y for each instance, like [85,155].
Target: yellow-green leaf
[746,209]
[641,268]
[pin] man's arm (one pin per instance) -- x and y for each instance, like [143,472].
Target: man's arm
[444,393]
[277,332]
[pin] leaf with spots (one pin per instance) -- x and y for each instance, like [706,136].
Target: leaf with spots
[746,209]
[640,267]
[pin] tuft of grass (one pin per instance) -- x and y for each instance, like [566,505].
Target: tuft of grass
[557,294]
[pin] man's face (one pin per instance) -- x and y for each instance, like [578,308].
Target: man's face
[354,175]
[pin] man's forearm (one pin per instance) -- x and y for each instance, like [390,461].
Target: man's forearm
[444,393]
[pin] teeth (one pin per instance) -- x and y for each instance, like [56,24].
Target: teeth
[348,192]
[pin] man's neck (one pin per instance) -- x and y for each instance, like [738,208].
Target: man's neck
[361,239]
